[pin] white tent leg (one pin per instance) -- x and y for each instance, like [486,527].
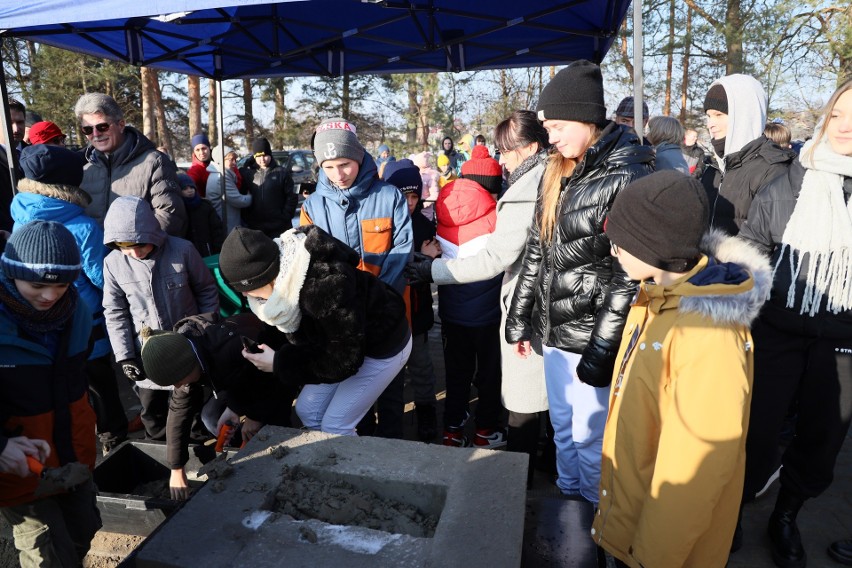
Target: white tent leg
[638,75]
[220,135]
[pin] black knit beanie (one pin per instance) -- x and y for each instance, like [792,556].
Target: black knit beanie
[168,358]
[261,146]
[575,93]
[660,219]
[249,259]
[716,99]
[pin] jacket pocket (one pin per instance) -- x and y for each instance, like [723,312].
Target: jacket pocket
[377,235]
[175,282]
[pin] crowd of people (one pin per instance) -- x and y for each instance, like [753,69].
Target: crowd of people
[677,320]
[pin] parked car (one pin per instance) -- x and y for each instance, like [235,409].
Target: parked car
[300,164]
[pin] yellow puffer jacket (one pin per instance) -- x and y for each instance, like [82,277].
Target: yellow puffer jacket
[674,445]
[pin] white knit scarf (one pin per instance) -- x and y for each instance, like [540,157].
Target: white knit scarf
[282,307]
[821,229]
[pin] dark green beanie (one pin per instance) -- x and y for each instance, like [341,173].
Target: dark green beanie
[168,358]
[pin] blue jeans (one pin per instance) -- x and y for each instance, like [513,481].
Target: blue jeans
[578,414]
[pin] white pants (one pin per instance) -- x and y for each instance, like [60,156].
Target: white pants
[578,414]
[337,408]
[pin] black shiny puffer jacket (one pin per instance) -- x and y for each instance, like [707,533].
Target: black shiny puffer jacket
[569,292]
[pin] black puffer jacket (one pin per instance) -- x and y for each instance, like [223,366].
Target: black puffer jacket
[347,315]
[569,293]
[767,220]
[730,193]
[273,199]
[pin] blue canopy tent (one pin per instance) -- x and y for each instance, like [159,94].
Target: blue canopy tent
[259,38]
[231,39]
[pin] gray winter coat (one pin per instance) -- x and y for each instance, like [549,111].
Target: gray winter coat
[135,168]
[170,284]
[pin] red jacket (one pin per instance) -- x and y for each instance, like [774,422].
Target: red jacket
[199,174]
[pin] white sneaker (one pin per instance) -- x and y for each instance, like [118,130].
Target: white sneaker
[775,475]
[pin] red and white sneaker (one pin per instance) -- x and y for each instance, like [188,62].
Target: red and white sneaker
[490,439]
[455,437]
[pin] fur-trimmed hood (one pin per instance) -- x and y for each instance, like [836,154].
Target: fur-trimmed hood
[729,285]
[69,193]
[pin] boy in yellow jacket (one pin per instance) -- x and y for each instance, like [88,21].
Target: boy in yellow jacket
[674,445]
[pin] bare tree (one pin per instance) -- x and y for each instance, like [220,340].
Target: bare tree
[684,90]
[212,123]
[667,103]
[148,116]
[248,112]
[730,27]
[163,136]
[193,87]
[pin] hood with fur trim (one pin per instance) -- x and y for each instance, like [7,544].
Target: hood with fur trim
[731,286]
[69,193]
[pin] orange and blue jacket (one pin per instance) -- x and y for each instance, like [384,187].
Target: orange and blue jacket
[44,395]
[371,216]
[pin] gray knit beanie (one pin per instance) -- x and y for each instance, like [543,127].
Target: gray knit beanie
[336,138]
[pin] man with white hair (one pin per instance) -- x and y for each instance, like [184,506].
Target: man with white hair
[120,161]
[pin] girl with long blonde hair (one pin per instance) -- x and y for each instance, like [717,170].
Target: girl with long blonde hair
[570,293]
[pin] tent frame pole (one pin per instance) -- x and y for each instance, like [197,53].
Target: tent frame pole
[6,119]
[638,75]
[220,141]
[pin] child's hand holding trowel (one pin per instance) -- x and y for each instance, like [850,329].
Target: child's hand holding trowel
[13,459]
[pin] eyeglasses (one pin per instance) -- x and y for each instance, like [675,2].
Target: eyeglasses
[127,245]
[102,127]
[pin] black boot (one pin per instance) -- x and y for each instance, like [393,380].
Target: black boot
[787,550]
[841,551]
[427,422]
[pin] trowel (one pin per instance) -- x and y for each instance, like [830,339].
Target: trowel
[56,479]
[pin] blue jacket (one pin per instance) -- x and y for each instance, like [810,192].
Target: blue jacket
[66,204]
[371,217]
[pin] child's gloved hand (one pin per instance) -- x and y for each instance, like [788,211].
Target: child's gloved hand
[419,271]
[132,369]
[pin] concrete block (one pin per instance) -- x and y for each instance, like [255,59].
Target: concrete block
[476,496]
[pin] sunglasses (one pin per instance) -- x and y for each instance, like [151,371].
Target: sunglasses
[125,245]
[102,127]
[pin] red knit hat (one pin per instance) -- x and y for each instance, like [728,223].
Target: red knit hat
[484,170]
[43,132]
